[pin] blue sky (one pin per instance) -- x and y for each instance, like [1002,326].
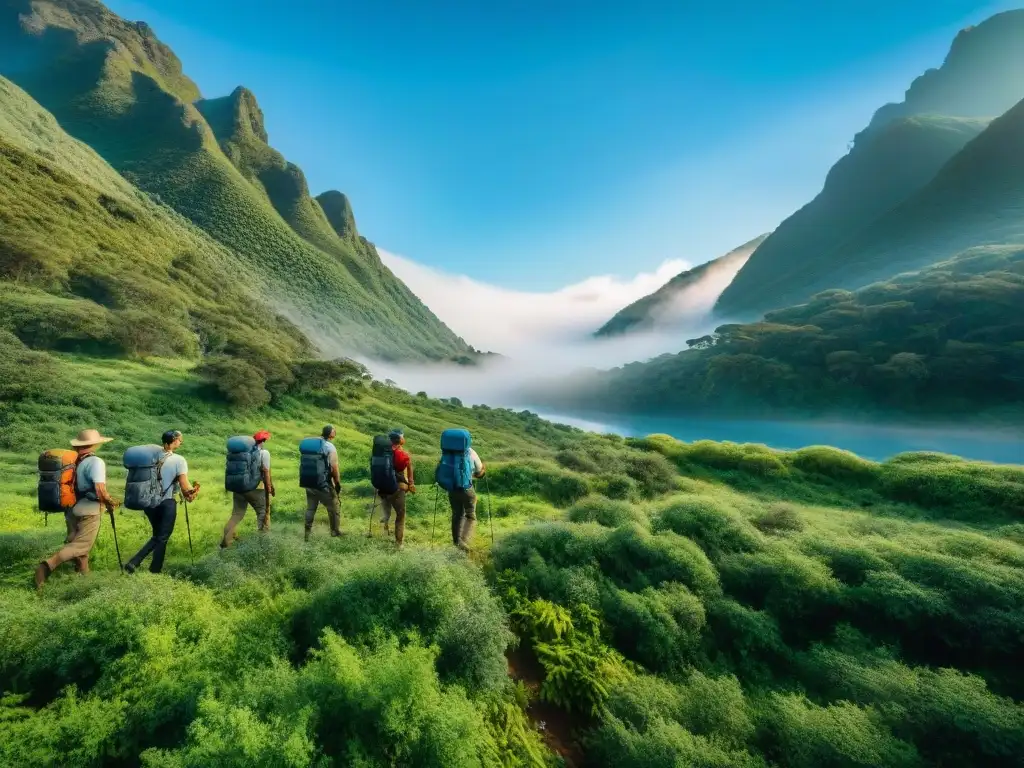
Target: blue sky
[534,144]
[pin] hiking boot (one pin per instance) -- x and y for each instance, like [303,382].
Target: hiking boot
[42,574]
[306,537]
[129,568]
[387,530]
[336,534]
[399,546]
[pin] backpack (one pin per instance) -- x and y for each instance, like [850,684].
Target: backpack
[382,466]
[57,491]
[242,469]
[144,488]
[455,470]
[314,464]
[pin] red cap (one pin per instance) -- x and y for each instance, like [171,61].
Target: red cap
[260,436]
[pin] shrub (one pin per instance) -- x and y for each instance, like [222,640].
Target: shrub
[615,486]
[663,744]
[659,628]
[972,492]
[611,514]
[653,473]
[577,460]
[751,459]
[634,560]
[799,733]
[779,518]
[237,381]
[446,602]
[539,480]
[714,525]
[833,463]
[798,590]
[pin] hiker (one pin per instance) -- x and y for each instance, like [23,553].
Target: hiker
[252,470]
[83,519]
[173,478]
[395,501]
[458,467]
[318,474]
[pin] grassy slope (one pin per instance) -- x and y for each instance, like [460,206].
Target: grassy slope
[720,561]
[129,100]
[880,172]
[86,257]
[642,314]
[946,341]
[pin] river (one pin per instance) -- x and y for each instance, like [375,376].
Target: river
[872,441]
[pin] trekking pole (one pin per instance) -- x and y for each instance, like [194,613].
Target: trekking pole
[433,524]
[373,506]
[188,527]
[490,519]
[113,527]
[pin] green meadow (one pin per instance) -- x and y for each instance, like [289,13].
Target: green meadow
[645,602]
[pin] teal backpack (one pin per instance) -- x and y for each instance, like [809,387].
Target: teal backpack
[455,470]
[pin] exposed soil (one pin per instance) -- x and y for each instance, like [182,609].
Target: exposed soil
[556,725]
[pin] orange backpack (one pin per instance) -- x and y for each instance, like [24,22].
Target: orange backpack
[57,490]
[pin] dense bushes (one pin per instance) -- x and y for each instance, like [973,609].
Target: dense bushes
[538,480]
[606,512]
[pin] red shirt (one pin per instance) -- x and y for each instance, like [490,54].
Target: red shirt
[401,460]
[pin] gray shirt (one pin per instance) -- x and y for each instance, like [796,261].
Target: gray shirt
[91,471]
[173,466]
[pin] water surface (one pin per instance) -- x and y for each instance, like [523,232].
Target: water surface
[872,441]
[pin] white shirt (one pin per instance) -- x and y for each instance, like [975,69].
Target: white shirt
[478,466]
[332,451]
[264,459]
[173,466]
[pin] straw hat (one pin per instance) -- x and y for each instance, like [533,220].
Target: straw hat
[89,437]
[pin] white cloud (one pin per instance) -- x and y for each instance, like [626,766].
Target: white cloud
[512,322]
[541,335]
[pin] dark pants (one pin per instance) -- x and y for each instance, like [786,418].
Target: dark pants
[161,519]
[463,516]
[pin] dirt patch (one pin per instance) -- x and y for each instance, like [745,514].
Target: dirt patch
[555,725]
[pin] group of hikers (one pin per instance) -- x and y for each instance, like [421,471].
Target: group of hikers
[75,483]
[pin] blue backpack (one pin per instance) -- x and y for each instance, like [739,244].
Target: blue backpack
[314,464]
[144,488]
[455,470]
[242,469]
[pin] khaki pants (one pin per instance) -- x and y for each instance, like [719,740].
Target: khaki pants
[240,503]
[396,502]
[82,531]
[463,516]
[314,498]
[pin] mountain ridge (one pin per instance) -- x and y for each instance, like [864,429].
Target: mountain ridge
[901,150]
[113,85]
[643,313]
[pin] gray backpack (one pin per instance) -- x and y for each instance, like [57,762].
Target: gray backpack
[242,471]
[144,488]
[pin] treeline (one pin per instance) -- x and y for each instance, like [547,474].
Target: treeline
[947,340]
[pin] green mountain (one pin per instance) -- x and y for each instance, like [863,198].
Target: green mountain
[90,263]
[945,342]
[899,153]
[114,86]
[676,299]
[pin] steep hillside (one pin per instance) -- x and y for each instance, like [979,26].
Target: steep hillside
[688,295]
[976,199]
[111,84]
[898,154]
[90,263]
[946,342]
